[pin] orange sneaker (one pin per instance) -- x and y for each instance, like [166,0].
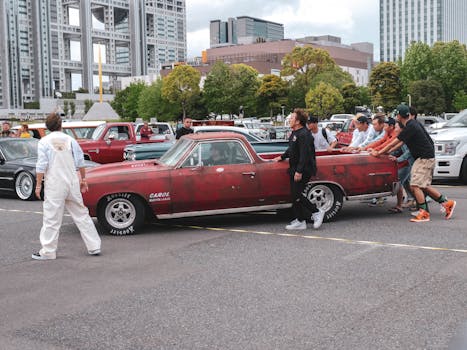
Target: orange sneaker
[422,216]
[448,208]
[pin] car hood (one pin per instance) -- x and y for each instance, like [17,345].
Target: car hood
[447,134]
[124,168]
[146,147]
[29,162]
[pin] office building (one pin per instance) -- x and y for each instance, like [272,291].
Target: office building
[48,47]
[427,21]
[244,30]
[266,58]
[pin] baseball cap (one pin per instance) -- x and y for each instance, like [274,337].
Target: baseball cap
[390,121]
[403,111]
[362,119]
[312,119]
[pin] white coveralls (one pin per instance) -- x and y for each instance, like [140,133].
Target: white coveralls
[62,190]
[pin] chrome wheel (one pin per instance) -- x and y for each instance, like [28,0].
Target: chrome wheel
[24,186]
[120,213]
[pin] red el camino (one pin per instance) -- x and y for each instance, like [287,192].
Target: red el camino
[185,182]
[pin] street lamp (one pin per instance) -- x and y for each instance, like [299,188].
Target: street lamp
[282,107]
[410,100]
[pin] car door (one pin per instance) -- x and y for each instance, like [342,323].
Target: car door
[233,183]
[115,140]
[6,173]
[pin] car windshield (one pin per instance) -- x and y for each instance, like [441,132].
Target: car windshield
[172,156]
[459,121]
[98,132]
[19,148]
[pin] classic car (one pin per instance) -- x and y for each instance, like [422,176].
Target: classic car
[156,150]
[76,129]
[182,183]
[18,166]
[18,158]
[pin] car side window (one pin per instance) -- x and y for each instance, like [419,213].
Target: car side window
[238,154]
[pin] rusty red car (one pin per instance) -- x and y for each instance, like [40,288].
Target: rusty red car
[187,181]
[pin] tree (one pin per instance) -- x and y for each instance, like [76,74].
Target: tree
[428,96]
[385,87]
[272,92]
[151,103]
[351,96]
[181,86]
[450,68]
[66,107]
[245,83]
[87,105]
[304,64]
[417,64]
[72,108]
[335,76]
[324,100]
[125,102]
[217,92]
[460,101]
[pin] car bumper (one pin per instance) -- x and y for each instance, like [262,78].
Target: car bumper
[447,166]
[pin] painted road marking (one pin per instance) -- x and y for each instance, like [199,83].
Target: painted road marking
[335,239]
[292,235]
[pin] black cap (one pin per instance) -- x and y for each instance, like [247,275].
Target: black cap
[403,111]
[362,119]
[312,119]
[390,121]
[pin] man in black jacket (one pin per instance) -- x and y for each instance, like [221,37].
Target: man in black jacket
[185,129]
[302,165]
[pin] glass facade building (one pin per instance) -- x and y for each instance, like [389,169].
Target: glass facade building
[427,21]
[49,46]
[244,30]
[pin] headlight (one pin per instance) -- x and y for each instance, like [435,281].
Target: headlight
[133,156]
[446,148]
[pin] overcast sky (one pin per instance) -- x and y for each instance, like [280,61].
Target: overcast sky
[352,20]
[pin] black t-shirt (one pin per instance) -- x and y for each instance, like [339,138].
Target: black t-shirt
[417,140]
[183,131]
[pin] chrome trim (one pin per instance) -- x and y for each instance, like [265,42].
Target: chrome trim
[369,196]
[379,174]
[6,178]
[224,211]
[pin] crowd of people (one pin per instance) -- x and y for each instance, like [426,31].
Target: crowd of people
[403,139]
[23,131]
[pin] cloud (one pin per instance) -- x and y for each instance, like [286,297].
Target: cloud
[352,20]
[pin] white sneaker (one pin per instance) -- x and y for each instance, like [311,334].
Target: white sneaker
[296,225]
[318,218]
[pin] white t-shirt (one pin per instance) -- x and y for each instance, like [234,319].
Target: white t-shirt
[320,141]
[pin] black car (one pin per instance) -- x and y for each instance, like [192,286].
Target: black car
[18,166]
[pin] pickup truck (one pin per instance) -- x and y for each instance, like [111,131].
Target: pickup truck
[451,149]
[109,140]
[153,151]
[184,182]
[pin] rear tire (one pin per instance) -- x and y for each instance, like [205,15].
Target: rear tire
[326,197]
[121,213]
[25,185]
[463,174]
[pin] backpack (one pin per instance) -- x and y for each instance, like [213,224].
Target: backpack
[325,134]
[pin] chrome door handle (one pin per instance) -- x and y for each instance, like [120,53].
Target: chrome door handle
[250,173]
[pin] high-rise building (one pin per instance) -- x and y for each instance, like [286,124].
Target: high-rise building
[50,46]
[244,30]
[427,21]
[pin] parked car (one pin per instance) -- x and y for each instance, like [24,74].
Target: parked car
[18,157]
[162,131]
[156,150]
[333,126]
[79,130]
[428,120]
[451,149]
[341,117]
[182,184]
[344,136]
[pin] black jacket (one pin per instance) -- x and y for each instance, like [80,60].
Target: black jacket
[301,153]
[183,131]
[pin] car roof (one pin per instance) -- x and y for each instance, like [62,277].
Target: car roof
[215,135]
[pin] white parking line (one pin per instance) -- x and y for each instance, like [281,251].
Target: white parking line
[336,239]
[291,235]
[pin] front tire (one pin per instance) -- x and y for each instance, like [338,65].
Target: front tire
[326,197]
[463,174]
[121,213]
[24,186]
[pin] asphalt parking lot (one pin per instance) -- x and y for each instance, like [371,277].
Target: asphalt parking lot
[368,280]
